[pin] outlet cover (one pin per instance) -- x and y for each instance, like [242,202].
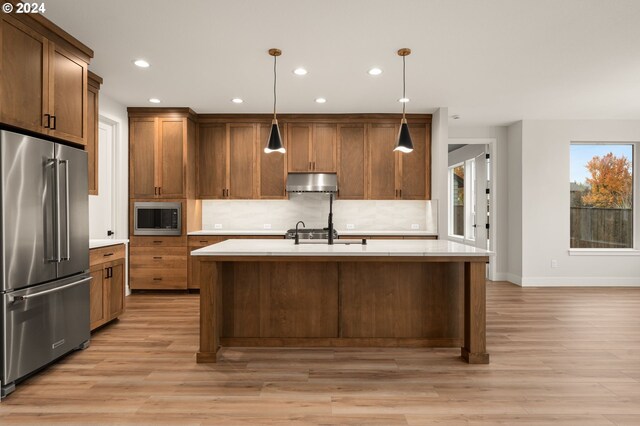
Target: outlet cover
[415,226]
[217,226]
[266,226]
[351,226]
[554,263]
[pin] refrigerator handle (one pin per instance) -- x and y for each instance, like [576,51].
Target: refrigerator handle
[67,255]
[51,290]
[56,188]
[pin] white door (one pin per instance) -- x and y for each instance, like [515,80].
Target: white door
[101,206]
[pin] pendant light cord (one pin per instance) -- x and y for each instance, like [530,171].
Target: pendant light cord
[404,85]
[275,74]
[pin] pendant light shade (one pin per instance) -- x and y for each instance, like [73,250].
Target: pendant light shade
[274,143]
[404,143]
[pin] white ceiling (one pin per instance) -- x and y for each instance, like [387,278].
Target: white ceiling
[491,61]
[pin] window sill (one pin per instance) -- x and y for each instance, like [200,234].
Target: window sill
[604,252]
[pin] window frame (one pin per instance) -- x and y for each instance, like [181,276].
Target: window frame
[635,205]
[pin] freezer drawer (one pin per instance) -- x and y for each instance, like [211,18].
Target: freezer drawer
[42,323]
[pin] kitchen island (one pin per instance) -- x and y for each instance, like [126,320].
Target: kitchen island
[403,293]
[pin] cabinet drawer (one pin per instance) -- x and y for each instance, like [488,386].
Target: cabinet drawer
[198,242]
[158,279]
[106,254]
[158,241]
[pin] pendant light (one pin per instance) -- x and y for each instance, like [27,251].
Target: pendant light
[404,143]
[274,143]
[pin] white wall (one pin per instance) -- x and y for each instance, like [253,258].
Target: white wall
[439,161]
[546,208]
[514,203]
[500,175]
[117,113]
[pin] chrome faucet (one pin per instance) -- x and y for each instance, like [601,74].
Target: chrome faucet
[297,237]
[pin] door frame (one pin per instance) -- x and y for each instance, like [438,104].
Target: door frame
[493,204]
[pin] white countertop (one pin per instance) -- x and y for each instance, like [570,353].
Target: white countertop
[373,248]
[351,232]
[105,243]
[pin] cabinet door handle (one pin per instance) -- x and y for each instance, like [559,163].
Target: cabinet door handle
[48,125]
[157,279]
[159,190]
[54,120]
[400,191]
[223,192]
[157,257]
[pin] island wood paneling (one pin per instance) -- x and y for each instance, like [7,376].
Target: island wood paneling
[400,300]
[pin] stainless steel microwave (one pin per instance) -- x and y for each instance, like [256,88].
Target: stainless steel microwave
[157,218]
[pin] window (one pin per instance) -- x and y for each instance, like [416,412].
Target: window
[602,196]
[456,178]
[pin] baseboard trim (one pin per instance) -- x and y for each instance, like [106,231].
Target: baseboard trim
[580,282]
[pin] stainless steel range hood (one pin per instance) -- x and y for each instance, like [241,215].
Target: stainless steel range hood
[312,182]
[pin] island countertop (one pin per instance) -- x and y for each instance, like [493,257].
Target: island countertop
[376,248]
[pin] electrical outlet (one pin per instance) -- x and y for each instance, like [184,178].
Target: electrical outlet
[554,263]
[351,226]
[415,226]
[267,226]
[217,226]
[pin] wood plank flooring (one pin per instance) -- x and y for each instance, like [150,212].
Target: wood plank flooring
[561,356]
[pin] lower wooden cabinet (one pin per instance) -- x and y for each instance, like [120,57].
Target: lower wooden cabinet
[158,263]
[107,286]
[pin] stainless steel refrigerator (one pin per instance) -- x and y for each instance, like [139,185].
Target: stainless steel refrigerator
[44,254]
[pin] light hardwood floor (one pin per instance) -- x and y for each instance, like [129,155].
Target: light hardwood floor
[568,356]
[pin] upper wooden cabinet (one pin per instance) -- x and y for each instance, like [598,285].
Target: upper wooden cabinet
[231,163]
[227,160]
[273,168]
[312,147]
[396,175]
[158,155]
[43,85]
[352,167]
[92,131]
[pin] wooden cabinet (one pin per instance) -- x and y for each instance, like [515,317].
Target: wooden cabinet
[352,169]
[227,161]
[43,86]
[312,147]
[92,131]
[106,294]
[157,157]
[231,163]
[395,175]
[272,169]
[158,264]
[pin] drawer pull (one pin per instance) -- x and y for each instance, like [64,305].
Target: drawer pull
[108,254]
[157,242]
[204,241]
[157,257]
[157,279]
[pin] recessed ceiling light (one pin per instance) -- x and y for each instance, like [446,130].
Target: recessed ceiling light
[404,100]
[300,71]
[321,100]
[154,100]
[375,71]
[141,63]
[237,100]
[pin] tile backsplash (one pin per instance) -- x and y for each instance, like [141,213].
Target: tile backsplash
[313,209]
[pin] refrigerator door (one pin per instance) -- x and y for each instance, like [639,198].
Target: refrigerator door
[27,253]
[42,323]
[73,205]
